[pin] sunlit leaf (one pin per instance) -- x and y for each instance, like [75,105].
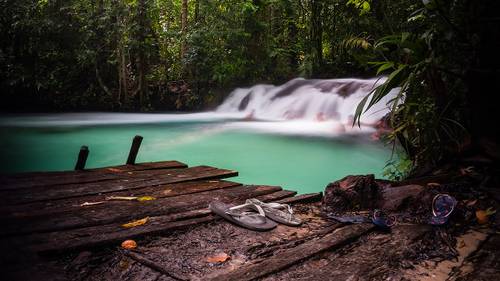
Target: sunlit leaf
[136,223]
[145,198]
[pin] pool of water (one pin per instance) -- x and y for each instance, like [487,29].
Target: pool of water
[296,156]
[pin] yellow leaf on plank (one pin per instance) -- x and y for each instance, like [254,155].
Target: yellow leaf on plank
[136,223]
[145,198]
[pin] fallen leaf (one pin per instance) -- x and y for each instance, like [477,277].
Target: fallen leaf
[482,216]
[136,223]
[490,211]
[167,191]
[129,244]
[125,198]
[114,170]
[91,203]
[220,257]
[145,198]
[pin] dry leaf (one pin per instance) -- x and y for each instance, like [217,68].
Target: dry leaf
[91,203]
[129,244]
[136,223]
[114,170]
[167,191]
[482,216]
[145,198]
[220,257]
[125,198]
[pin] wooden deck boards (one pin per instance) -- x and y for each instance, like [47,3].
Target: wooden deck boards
[130,181]
[48,208]
[39,179]
[56,212]
[124,211]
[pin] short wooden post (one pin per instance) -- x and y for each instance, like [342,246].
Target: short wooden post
[82,158]
[134,149]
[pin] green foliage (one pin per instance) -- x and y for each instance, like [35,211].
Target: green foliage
[398,168]
[364,6]
[427,113]
[128,55]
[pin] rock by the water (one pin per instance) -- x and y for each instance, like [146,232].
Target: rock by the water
[393,197]
[364,192]
[351,193]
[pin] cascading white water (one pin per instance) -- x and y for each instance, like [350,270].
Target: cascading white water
[307,100]
[300,107]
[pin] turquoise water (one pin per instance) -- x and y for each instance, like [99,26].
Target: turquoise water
[294,161]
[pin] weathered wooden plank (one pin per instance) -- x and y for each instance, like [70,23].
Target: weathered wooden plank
[54,207]
[289,257]
[96,236]
[139,180]
[123,211]
[41,179]
[151,264]
[303,198]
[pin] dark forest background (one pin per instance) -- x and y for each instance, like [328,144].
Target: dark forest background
[179,54]
[166,55]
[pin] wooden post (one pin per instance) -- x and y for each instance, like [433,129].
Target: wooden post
[82,158]
[134,149]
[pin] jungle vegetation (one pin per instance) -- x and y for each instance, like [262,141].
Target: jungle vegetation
[146,55]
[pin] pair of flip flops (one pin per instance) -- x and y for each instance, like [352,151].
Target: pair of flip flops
[255,214]
[443,206]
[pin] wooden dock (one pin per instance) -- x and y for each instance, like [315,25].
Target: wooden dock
[70,225]
[54,213]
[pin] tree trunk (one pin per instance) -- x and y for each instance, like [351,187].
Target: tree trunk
[116,19]
[141,55]
[196,11]
[184,27]
[292,32]
[316,36]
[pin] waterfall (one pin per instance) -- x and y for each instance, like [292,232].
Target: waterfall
[307,100]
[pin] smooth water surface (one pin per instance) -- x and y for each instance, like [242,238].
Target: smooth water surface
[304,162]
